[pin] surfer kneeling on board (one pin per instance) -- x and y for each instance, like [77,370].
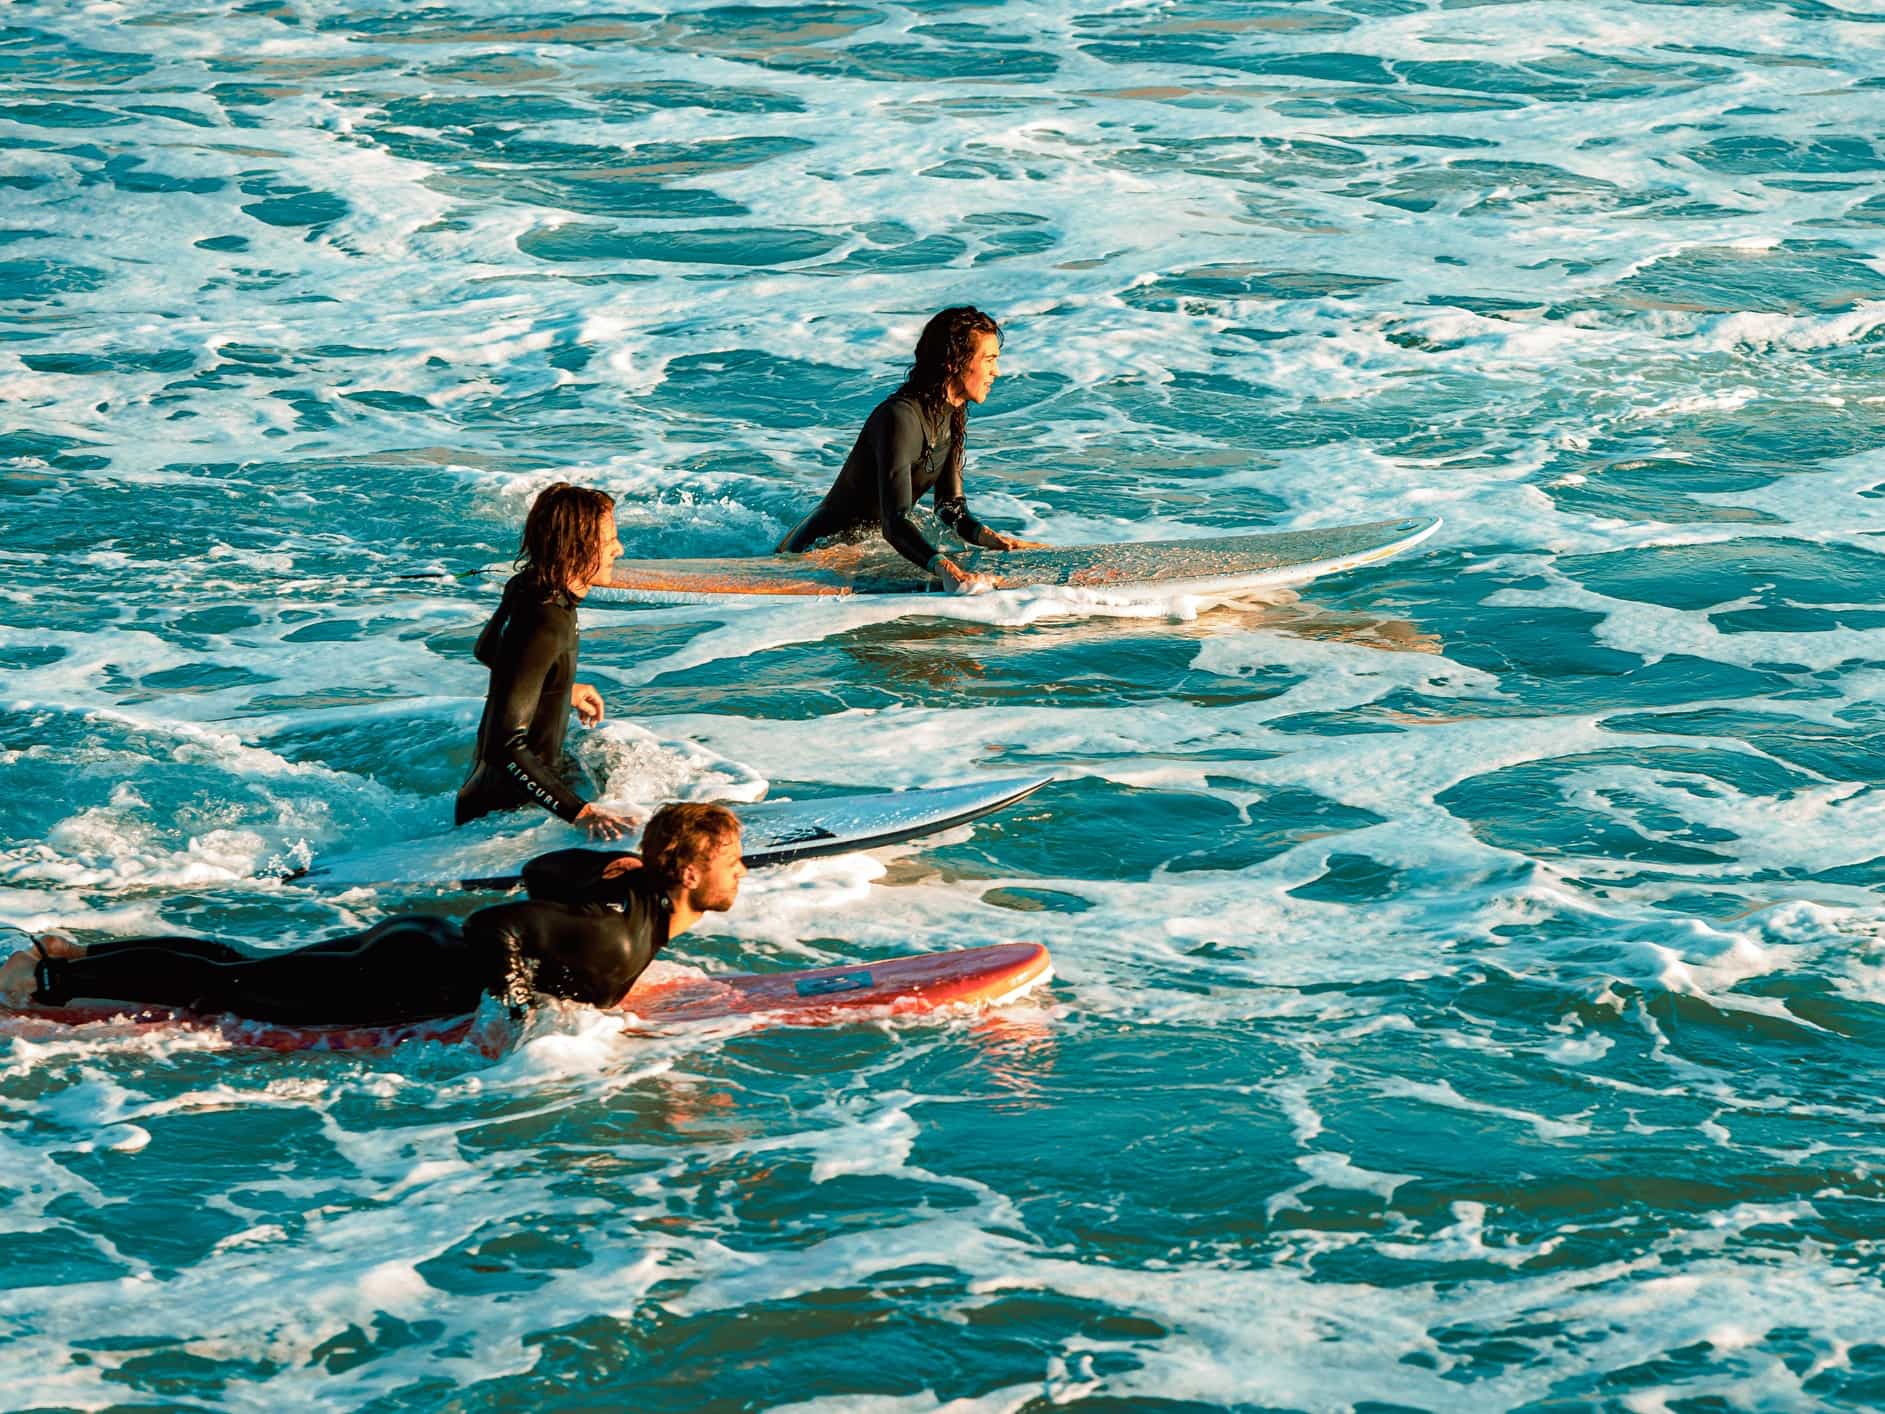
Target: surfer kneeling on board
[530,646]
[585,935]
[912,445]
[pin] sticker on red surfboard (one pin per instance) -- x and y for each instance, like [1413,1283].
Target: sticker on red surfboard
[986,976]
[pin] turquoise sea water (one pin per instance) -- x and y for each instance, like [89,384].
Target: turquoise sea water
[1471,973]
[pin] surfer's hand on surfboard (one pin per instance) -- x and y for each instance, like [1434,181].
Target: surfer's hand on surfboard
[604,824]
[1015,542]
[959,581]
[587,702]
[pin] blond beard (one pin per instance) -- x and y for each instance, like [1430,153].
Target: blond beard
[704,900]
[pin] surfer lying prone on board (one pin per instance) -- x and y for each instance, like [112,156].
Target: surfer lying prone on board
[586,934]
[530,646]
[911,445]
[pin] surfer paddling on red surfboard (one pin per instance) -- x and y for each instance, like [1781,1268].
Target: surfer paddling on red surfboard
[587,932]
[911,445]
[530,646]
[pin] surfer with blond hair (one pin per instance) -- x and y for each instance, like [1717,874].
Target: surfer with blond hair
[585,934]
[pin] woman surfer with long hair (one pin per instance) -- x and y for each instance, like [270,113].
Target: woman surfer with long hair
[911,445]
[530,646]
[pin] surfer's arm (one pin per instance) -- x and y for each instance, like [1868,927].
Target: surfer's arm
[514,696]
[952,509]
[955,579]
[899,445]
[954,512]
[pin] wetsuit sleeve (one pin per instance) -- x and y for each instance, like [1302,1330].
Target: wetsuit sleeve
[952,509]
[516,687]
[954,512]
[899,444]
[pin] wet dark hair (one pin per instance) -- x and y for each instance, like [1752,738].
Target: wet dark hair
[563,535]
[943,350]
[685,833]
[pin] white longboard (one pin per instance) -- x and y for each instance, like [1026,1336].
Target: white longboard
[1218,564]
[773,832]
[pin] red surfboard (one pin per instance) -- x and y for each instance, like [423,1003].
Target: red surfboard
[821,995]
[901,986]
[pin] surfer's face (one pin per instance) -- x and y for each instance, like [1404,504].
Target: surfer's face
[715,881]
[979,373]
[610,550]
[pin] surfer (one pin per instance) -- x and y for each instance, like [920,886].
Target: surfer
[586,934]
[530,646]
[911,445]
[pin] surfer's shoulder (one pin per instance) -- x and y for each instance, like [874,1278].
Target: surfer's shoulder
[523,595]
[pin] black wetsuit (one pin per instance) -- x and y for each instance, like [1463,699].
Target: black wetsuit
[900,457]
[580,937]
[530,646]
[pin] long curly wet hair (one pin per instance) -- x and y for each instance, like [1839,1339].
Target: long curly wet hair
[943,350]
[562,542]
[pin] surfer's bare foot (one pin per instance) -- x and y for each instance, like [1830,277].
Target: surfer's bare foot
[17,983]
[16,978]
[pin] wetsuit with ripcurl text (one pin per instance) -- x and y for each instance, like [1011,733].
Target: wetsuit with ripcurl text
[587,940]
[530,646]
[900,457]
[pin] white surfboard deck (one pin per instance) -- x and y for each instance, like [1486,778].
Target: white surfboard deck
[1212,565]
[774,832]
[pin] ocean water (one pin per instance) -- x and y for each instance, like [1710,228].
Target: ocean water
[1471,970]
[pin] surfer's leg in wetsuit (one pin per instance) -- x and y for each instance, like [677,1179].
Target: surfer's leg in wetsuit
[406,969]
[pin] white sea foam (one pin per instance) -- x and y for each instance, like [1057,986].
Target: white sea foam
[1609,271]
